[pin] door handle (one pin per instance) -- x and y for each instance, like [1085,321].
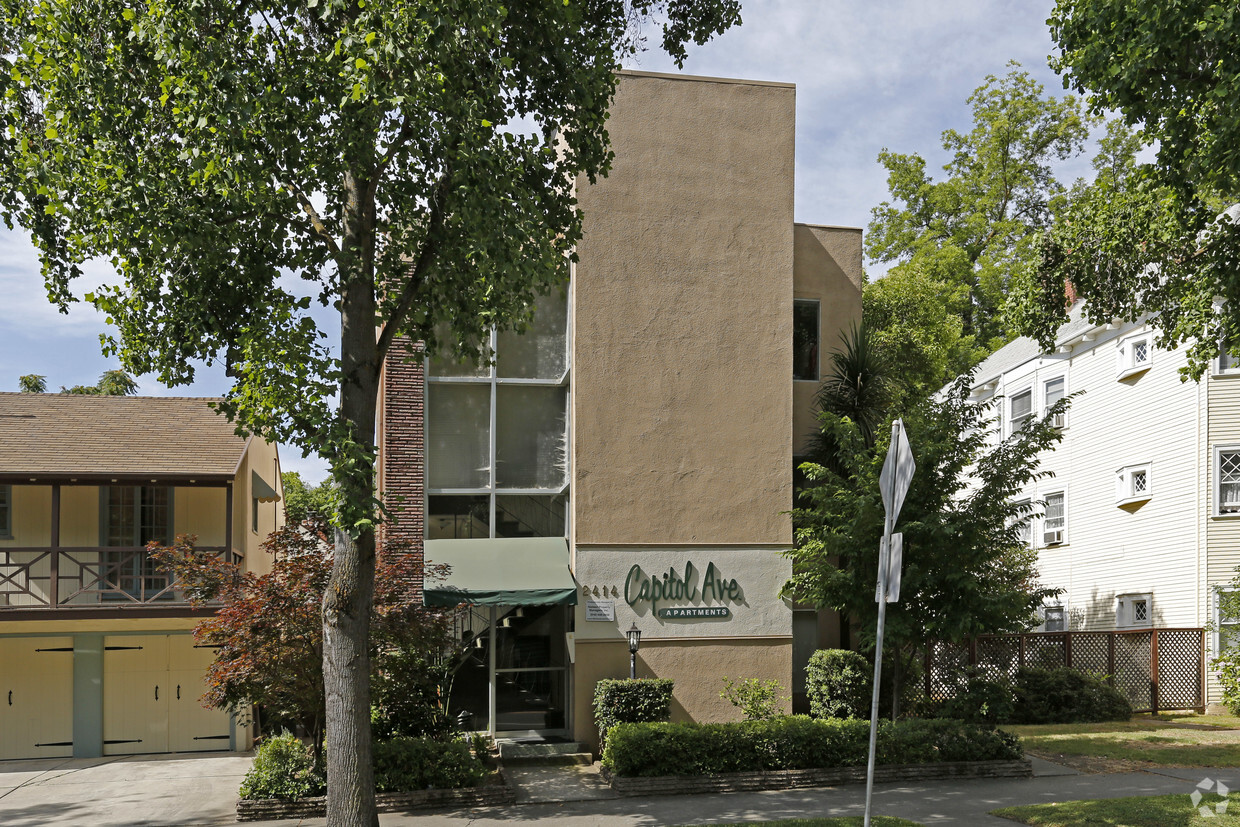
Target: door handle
[157,692]
[10,697]
[178,691]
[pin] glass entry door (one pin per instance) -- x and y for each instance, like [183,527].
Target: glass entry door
[513,677]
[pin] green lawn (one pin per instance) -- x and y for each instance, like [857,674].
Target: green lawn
[1171,740]
[846,821]
[1155,811]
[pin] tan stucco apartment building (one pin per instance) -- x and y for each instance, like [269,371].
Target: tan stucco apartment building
[96,655]
[629,460]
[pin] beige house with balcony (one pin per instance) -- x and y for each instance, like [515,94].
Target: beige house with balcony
[96,655]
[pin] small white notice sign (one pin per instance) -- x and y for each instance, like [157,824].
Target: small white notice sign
[601,610]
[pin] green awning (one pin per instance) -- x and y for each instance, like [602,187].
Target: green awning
[512,571]
[261,491]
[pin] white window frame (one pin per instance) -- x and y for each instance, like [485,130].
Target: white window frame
[1053,608]
[1063,529]
[1218,510]
[1060,421]
[1128,366]
[1014,423]
[1027,520]
[1125,613]
[1128,487]
[1219,622]
[1221,369]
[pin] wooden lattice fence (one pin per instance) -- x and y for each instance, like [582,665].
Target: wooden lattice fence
[1155,668]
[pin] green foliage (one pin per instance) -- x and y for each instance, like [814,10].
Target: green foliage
[405,692]
[111,383]
[406,764]
[795,742]
[839,684]
[283,767]
[966,570]
[1066,696]
[32,383]
[618,701]
[975,230]
[980,700]
[303,502]
[757,699]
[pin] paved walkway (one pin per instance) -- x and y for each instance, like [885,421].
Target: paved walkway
[183,791]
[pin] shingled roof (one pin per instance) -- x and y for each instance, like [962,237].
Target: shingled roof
[46,435]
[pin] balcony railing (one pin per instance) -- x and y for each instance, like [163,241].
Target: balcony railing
[65,578]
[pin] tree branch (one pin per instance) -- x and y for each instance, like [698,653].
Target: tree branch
[320,229]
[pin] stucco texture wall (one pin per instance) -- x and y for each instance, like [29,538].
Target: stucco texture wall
[682,406]
[697,666]
[828,270]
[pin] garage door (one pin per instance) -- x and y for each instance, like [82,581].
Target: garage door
[36,697]
[151,690]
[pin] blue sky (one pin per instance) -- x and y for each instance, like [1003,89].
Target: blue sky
[869,76]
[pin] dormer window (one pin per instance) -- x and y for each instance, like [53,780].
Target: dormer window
[1133,484]
[1136,354]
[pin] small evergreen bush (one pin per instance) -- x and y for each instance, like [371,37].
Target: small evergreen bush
[980,700]
[757,699]
[621,701]
[407,764]
[1228,668]
[1066,696]
[796,742]
[283,768]
[839,684]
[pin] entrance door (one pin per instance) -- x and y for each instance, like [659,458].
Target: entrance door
[36,697]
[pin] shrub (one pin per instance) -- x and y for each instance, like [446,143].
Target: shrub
[839,684]
[630,701]
[1066,696]
[980,700]
[283,768]
[1228,667]
[406,764]
[758,700]
[795,742]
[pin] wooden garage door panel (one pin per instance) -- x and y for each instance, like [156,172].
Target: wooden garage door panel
[135,694]
[36,697]
[191,728]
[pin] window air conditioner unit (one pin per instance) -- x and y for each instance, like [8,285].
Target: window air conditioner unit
[1053,538]
[1057,421]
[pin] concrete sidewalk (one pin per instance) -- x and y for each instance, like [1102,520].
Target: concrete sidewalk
[186,791]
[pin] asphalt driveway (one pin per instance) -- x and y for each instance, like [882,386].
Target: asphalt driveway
[174,790]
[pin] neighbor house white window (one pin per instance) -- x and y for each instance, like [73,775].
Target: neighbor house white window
[1226,363]
[1136,353]
[1054,519]
[1052,392]
[1133,484]
[1226,624]
[1054,619]
[1021,407]
[1024,522]
[1134,611]
[1227,480]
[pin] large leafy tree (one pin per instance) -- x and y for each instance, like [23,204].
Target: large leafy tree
[966,571]
[236,162]
[1153,241]
[974,230]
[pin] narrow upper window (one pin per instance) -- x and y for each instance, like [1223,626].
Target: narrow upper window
[1054,520]
[1024,523]
[1135,355]
[1134,611]
[1227,485]
[805,340]
[1052,392]
[1133,484]
[1054,619]
[1022,409]
[6,511]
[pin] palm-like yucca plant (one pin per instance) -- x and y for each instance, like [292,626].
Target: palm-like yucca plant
[859,386]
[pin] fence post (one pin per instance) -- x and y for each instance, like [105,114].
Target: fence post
[1201,673]
[929,667]
[1154,672]
[973,651]
[1067,649]
[1111,657]
[1021,659]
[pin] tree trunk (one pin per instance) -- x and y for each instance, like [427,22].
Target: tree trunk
[350,592]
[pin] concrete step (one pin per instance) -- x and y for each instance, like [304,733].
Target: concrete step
[512,753]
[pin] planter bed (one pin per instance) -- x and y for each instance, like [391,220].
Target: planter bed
[792,779]
[491,793]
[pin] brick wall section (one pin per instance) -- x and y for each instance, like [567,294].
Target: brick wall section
[402,447]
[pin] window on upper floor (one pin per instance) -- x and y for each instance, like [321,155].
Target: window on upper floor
[1020,408]
[806,337]
[1133,484]
[1136,353]
[6,512]
[1054,519]
[1134,611]
[1024,522]
[1227,480]
[1054,619]
[1052,392]
[134,515]
[1227,363]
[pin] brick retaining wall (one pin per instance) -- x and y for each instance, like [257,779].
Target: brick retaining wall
[273,808]
[792,779]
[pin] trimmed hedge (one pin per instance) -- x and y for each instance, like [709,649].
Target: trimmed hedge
[839,684]
[283,768]
[406,764]
[630,701]
[796,742]
[1038,696]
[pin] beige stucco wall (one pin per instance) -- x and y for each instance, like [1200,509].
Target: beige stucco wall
[263,458]
[697,666]
[682,398]
[828,269]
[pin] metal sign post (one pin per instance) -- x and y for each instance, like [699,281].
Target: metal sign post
[893,484]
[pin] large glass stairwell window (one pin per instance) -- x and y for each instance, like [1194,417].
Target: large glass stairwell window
[497,434]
